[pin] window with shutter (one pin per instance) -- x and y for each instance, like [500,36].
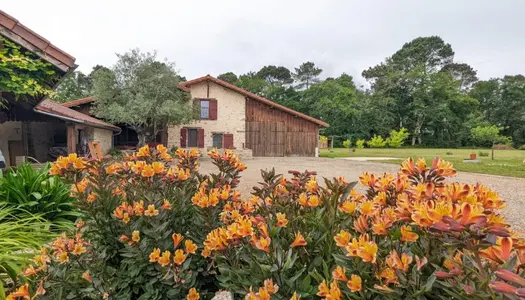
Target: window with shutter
[183,134]
[205,109]
[228,141]
[200,138]
[213,109]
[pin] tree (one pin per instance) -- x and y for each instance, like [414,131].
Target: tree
[464,73]
[490,134]
[229,77]
[275,75]
[75,86]
[307,74]
[142,92]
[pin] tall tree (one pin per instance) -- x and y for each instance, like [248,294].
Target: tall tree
[275,75]
[142,92]
[75,86]
[464,73]
[306,75]
[229,77]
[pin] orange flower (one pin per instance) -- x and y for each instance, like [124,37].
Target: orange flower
[335,292]
[299,241]
[147,171]
[79,249]
[151,211]
[193,295]
[263,244]
[323,289]
[154,256]
[281,220]
[303,199]
[30,271]
[125,218]
[270,287]
[421,165]
[177,238]
[92,197]
[138,208]
[510,276]
[348,207]
[245,227]
[225,193]
[421,262]
[367,179]
[87,276]
[342,238]
[407,235]
[166,204]
[381,225]
[389,275]
[124,238]
[355,283]
[312,186]
[368,252]
[367,208]
[63,257]
[179,257]
[500,252]
[339,273]
[113,168]
[22,291]
[295,297]
[407,166]
[164,260]
[314,201]
[190,247]
[135,236]
[158,168]
[361,224]
[144,151]
[402,263]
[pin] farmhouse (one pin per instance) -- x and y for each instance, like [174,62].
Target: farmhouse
[31,126]
[233,118]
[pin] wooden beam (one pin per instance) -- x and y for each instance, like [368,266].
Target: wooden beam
[15,38]
[71,138]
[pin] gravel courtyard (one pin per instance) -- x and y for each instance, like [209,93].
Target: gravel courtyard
[511,189]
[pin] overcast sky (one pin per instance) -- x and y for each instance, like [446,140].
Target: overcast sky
[217,36]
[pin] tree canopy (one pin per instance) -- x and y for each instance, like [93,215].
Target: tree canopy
[142,92]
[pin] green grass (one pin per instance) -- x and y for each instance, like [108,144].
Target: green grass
[506,162]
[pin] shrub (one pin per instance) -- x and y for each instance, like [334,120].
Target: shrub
[27,190]
[377,141]
[483,154]
[115,152]
[347,143]
[450,153]
[397,138]
[408,235]
[502,147]
[360,144]
[144,223]
[522,147]
[19,237]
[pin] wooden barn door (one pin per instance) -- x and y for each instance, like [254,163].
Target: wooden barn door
[265,138]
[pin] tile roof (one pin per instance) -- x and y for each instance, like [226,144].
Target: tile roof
[78,102]
[14,30]
[185,86]
[57,110]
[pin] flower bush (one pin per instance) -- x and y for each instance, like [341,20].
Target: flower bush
[156,228]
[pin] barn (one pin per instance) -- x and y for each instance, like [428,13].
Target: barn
[233,118]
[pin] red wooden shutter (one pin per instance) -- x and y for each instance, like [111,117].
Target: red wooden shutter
[213,109]
[183,137]
[200,138]
[228,141]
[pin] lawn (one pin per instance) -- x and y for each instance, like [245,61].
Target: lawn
[506,162]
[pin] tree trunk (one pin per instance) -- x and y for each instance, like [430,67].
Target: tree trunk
[142,139]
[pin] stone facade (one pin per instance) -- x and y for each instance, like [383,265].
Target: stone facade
[104,137]
[231,116]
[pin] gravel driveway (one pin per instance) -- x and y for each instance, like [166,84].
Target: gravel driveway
[511,189]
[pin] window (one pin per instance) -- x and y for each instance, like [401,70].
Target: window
[192,137]
[205,109]
[217,140]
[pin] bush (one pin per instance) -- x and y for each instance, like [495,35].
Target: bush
[449,153]
[397,138]
[483,154]
[30,191]
[502,147]
[115,152]
[522,147]
[347,143]
[408,235]
[360,144]
[377,141]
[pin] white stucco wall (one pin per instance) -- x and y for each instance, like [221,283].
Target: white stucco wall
[104,138]
[9,131]
[231,115]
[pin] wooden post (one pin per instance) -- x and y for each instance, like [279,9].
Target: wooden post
[71,138]
[332,144]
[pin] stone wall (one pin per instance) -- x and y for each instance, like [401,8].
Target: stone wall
[231,115]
